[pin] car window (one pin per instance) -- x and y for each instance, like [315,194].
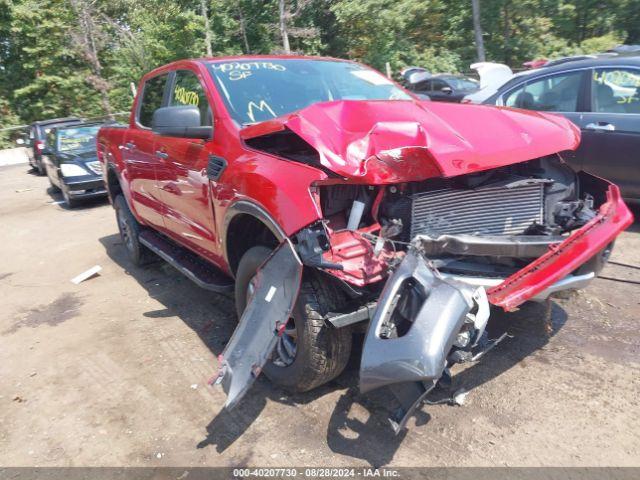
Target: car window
[554,93]
[615,90]
[438,85]
[152,95]
[187,90]
[77,138]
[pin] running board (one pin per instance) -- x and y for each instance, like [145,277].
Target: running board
[199,271]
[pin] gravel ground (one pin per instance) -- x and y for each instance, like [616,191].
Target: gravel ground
[113,371]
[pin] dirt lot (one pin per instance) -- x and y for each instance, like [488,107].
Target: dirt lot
[113,371]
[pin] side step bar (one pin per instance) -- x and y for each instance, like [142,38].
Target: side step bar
[199,271]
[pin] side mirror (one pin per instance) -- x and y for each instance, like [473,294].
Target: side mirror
[446,90]
[180,121]
[20,141]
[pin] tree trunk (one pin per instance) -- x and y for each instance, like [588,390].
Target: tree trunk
[477,28]
[87,43]
[283,27]
[243,30]
[506,48]
[207,29]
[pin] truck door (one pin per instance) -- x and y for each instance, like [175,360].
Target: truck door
[183,179]
[612,128]
[139,155]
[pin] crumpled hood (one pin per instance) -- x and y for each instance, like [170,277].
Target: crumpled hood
[394,141]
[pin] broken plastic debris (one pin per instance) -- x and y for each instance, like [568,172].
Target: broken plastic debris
[460,396]
[22,190]
[86,274]
[194,386]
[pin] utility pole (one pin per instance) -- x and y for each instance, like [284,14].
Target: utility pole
[283,27]
[477,28]
[207,29]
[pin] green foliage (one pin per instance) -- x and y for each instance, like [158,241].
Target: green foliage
[45,73]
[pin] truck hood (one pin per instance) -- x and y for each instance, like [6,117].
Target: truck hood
[379,142]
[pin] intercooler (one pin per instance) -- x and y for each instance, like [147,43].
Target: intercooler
[494,210]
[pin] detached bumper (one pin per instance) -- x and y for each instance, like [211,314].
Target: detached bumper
[564,258]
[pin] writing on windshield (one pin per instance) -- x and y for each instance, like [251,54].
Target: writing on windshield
[255,91]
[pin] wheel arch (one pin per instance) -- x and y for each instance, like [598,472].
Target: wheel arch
[247,225]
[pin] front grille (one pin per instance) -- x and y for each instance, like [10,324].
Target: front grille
[497,210]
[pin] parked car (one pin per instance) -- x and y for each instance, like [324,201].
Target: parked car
[602,96]
[445,87]
[71,162]
[328,199]
[37,139]
[492,76]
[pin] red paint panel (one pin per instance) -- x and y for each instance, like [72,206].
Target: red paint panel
[365,141]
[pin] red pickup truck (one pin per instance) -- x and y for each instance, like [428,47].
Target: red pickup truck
[326,198]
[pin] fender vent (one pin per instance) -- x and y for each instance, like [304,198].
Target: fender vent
[215,167]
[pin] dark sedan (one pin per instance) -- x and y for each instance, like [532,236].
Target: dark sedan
[602,96]
[37,140]
[71,162]
[445,88]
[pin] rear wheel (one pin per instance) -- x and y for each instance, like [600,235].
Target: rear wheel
[129,231]
[309,353]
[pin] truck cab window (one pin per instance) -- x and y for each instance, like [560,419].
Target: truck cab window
[151,99]
[187,90]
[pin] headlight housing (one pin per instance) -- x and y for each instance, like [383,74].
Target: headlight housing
[72,170]
[95,167]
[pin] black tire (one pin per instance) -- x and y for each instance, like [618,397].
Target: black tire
[322,352]
[70,202]
[54,187]
[129,231]
[40,168]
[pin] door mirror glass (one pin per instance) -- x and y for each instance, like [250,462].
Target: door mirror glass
[180,121]
[446,90]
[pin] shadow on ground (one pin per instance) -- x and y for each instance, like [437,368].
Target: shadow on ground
[212,317]
[56,196]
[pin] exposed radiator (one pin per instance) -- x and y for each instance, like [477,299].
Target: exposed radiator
[496,210]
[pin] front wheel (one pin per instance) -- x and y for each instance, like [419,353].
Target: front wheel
[129,231]
[68,200]
[309,353]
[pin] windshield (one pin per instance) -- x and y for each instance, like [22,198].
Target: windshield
[463,83]
[255,91]
[79,138]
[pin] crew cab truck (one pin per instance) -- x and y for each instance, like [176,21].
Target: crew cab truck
[324,196]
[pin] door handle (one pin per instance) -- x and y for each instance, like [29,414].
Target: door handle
[603,126]
[129,146]
[162,155]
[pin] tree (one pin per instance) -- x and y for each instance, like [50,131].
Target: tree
[477,29]
[89,38]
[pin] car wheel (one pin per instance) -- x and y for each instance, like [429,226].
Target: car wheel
[68,200]
[54,187]
[40,168]
[129,231]
[309,353]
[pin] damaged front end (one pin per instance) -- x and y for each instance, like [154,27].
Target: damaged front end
[423,323]
[423,242]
